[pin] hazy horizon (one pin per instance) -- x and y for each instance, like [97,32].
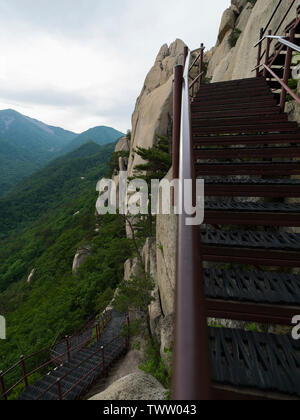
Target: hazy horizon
[78,65]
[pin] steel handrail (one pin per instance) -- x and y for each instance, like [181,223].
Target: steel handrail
[282,40]
[74,368]
[191,378]
[91,371]
[284,85]
[105,318]
[263,31]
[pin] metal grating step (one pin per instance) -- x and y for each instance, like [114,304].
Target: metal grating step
[252,181]
[251,239]
[253,286]
[254,360]
[237,206]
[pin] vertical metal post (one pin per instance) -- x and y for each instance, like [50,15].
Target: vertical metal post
[201,65]
[261,34]
[267,53]
[128,331]
[3,391]
[24,371]
[177,101]
[59,393]
[103,359]
[68,348]
[97,333]
[287,70]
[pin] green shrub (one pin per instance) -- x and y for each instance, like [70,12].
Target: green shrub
[154,365]
[234,36]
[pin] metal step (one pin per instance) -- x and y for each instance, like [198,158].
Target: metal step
[219,106]
[237,120]
[238,112]
[250,168]
[254,128]
[252,187]
[255,361]
[238,83]
[253,286]
[247,153]
[252,239]
[249,213]
[276,138]
[228,101]
[232,93]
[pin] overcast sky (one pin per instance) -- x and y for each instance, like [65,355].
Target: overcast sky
[82,63]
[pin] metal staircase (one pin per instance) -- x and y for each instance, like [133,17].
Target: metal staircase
[72,379]
[243,263]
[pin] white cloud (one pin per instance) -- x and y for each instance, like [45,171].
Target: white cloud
[79,64]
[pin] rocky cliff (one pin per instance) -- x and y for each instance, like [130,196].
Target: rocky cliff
[234,55]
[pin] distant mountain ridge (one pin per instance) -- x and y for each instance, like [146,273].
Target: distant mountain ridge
[56,183]
[26,145]
[100,135]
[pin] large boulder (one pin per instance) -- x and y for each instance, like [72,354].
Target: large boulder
[239,62]
[134,387]
[80,256]
[123,145]
[152,114]
[166,237]
[227,23]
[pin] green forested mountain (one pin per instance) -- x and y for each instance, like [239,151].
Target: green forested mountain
[33,136]
[59,182]
[15,164]
[43,222]
[26,145]
[100,135]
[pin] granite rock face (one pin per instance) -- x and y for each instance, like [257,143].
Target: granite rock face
[80,256]
[229,63]
[134,387]
[153,111]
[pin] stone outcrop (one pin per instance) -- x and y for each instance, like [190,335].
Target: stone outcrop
[166,237]
[134,387]
[31,276]
[152,114]
[80,256]
[123,145]
[227,63]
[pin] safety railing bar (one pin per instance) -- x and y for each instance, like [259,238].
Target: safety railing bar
[83,343]
[11,368]
[106,318]
[196,59]
[8,391]
[284,85]
[271,37]
[77,366]
[196,80]
[191,353]
[290,45]
[87,374]
[283,40]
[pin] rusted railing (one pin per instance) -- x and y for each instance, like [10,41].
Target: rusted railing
[284,42]
[55,360]
[198,61]
[191,377]
[264,30]
[101,365]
